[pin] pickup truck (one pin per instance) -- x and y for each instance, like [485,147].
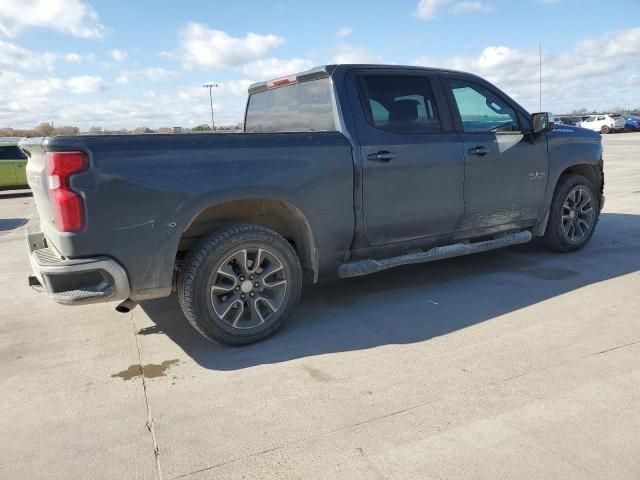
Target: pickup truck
[342,170]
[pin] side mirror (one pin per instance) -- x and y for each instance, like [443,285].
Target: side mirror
[542,122]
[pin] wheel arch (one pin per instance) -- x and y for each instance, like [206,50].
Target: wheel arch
[278,215]
[592,172]
[588,170]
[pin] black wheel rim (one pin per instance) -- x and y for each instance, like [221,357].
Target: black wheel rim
[577,215]
[248,288]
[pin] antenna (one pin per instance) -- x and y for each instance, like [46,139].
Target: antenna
[540,75]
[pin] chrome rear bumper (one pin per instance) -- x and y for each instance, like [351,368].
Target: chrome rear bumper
[75,281]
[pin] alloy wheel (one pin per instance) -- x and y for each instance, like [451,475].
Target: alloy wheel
[248,288]
[577,214]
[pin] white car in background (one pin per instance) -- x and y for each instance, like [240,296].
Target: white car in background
[605,123]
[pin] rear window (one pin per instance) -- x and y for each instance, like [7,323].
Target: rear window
[301,107]
[11,153]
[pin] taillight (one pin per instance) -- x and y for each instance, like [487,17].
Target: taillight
[68,206]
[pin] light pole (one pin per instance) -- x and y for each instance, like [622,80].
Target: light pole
[211,86]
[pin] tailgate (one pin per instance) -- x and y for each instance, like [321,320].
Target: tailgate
[38,179]
[618,121]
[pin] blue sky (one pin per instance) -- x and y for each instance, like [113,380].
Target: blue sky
[127,64]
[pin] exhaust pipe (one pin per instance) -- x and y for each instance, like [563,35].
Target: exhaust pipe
[126,306]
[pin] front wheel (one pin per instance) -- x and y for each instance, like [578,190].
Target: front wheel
[604,130]
[240,284]
[573,214]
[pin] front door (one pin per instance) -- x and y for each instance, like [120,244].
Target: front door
[412,162]
[505,172]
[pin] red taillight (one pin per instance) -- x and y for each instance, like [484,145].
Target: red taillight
[68,207]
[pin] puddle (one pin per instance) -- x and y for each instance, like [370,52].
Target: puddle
[150,370]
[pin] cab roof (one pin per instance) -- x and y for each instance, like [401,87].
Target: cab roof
[325,71]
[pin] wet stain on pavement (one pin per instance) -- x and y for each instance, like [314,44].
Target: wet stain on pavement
[150,370]
[549,273]
[150,330]
[318,374]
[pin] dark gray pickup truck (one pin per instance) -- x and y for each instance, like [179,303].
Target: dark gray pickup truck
[341,170]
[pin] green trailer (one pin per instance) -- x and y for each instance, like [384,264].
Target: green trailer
[13,165]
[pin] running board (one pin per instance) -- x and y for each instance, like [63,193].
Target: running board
[355,268]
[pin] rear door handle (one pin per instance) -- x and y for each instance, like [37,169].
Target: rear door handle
[381,156]
[478,151]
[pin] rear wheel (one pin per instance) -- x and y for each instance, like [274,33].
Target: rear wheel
[240,284]
[573,214]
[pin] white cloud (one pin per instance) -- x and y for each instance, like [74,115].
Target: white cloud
[72,17]
[428,9]
[83,84]
[469,7]
[14,57]
[26,102]
[570,80]
[269,68]
[151,74]
[626,42]
[73,57]
[347,53]
[18,88]
[118,55]
[344,32]
[204,47]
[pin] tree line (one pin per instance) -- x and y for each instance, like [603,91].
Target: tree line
[48,130]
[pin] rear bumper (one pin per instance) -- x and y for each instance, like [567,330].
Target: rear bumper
[78,281]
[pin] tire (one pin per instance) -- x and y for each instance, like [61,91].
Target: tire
[560,236]
[628,129]
[604,130]
[230,311]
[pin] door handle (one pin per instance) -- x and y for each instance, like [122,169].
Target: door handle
[381,156]
[478,151]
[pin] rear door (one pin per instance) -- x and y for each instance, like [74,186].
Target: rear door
[412,162]
[505,172]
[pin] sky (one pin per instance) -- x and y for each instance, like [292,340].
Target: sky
[127,64]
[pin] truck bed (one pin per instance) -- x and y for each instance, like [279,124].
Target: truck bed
[142,192]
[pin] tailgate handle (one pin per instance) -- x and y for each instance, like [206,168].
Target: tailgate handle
[381,156]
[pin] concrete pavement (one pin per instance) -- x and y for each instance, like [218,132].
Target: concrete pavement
[517,363]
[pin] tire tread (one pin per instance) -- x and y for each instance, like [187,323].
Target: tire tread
[194,261]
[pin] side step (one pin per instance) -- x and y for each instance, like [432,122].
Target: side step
[72,297]
[356,268]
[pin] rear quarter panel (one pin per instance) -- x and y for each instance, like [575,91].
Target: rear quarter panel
[142,192]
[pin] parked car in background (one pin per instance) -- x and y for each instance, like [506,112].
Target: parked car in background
[632,123]
[567,120]
[604,123]
[13,163]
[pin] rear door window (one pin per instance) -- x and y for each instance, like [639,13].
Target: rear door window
[399,103]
